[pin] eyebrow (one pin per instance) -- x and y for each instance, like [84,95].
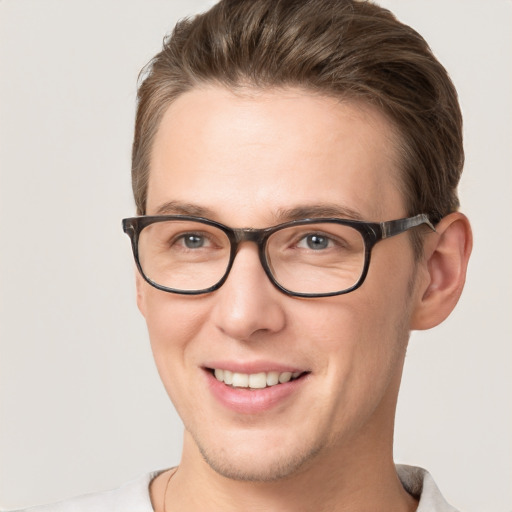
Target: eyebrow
[317,211]
[181,208]
[321,210]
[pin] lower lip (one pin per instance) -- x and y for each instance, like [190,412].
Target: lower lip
[252,401]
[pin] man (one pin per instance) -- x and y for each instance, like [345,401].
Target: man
[294,168]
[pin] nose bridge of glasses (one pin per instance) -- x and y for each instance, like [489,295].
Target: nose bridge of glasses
[254,235]
[248,235]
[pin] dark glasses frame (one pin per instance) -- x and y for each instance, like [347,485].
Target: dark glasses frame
[372,233]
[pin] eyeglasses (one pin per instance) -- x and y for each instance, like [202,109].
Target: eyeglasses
[302,258]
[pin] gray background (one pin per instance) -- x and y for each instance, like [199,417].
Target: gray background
[81,406]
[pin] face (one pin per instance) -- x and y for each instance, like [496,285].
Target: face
[255,160]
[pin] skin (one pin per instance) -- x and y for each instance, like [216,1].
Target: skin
[243,160]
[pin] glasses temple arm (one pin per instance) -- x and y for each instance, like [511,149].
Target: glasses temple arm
[395,227]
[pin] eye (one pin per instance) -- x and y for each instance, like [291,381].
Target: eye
[193,241]
[315,241]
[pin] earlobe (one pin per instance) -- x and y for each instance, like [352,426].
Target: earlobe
[447,254]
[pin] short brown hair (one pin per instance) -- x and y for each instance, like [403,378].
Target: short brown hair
[341,48]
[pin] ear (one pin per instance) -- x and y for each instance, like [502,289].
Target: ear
[140,286]
[446,259]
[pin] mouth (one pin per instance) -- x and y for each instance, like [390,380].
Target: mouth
[260,380]
[259,389]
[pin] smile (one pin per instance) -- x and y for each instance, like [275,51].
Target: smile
[259,380]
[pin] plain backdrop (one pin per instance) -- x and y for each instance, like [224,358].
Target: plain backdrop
[81,405]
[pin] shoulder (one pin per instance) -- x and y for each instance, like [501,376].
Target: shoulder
[419,483]
[133,496]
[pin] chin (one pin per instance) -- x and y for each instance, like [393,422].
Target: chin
[259,463]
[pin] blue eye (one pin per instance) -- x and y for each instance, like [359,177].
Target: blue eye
[192,241]
[315,242]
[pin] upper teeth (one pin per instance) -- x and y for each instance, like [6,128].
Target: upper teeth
[254,380]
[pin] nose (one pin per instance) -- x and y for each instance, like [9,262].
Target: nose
[248,304]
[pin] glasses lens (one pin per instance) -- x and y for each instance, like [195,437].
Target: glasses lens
[183,255]
[316,258]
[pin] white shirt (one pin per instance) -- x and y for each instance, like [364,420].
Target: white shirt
[134,495]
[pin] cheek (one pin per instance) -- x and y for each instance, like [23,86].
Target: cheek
[359,338]
[172,321]
[356,323]
[361,347]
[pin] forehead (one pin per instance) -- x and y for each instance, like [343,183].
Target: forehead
[256,153]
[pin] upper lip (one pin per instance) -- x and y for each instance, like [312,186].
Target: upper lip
[251,367]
